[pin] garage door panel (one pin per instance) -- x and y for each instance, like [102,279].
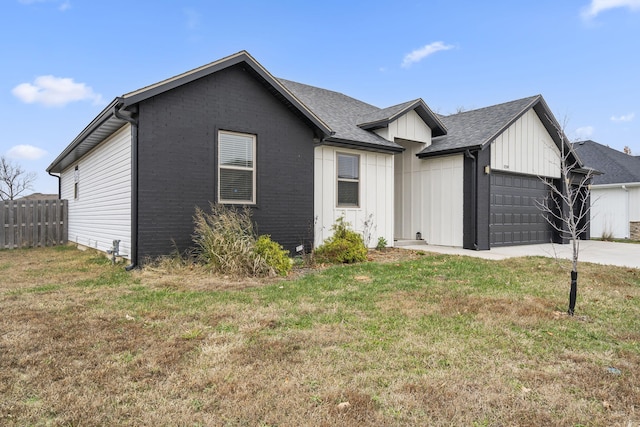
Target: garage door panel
[515,218]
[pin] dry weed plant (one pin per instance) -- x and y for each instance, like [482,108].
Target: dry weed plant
[435,340]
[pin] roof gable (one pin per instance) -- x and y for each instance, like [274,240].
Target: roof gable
[476,129]
[122,109]
[383,117]
[241,57]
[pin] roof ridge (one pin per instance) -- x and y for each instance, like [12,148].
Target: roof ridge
[493,106]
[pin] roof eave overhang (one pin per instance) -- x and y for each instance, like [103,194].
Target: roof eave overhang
[84,141]
[360,145]
[587,171]
[449,151]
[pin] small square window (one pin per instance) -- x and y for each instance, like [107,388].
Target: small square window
[76,182]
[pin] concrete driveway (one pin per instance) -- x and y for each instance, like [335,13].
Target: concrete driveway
[595,251]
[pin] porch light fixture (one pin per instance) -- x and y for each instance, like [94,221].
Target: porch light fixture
[487,169]
[418,236]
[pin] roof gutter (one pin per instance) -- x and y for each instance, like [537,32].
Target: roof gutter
[624,186]
[450,151]
[338,142]
[118,113]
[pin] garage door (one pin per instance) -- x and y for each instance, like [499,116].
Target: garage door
[515,219]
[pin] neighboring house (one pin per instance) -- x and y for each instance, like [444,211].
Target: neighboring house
[300,157]
[616,193]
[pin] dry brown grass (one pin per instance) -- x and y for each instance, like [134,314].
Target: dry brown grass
[416,343]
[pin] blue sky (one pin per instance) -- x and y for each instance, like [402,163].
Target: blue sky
[65,60]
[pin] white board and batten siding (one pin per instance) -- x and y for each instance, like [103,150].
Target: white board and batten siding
[409,126]
[102,211]
[376,194]
[526,147]
[429,197]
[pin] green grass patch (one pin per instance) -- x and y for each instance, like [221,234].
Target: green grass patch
[439,340]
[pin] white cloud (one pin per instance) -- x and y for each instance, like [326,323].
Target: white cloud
[624,118]
[598,6]
[55,92]
[584,132]
[62,4]
[26,152]
[419,54]
[193,18]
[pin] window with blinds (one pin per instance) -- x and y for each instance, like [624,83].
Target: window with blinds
[348,180]
[236,168]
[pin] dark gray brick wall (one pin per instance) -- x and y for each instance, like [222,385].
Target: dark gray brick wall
[177,160]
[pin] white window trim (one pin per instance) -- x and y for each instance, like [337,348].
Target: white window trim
[338,179]
[252,169]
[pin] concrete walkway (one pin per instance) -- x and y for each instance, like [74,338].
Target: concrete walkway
[595,251]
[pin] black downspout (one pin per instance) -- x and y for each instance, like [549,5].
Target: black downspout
[134,184]
[59,184]
[474,196]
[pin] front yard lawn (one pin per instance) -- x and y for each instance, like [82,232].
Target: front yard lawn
[416,340]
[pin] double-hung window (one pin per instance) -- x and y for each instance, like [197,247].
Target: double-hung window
[236,168]
[348,180]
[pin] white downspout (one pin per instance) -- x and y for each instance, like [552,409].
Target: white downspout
[626,213]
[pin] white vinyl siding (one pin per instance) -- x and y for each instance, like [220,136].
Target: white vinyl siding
[429,197]
[375,193]
[236,168]
[526,147]
[409,126]
[101,213]
[613,208]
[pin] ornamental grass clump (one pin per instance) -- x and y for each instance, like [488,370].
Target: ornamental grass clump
[345,246]
[226,243]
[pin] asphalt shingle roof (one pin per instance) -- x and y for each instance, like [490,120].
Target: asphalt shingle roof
[384,113]
[340,112]
[617,167]
[471,129]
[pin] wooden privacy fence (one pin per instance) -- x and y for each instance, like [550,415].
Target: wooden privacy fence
[31,223]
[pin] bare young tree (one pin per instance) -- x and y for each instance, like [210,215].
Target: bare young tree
[14,180]
[568,207]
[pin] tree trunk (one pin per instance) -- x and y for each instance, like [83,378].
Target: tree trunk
[573,292]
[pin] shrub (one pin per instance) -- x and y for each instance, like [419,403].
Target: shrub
[345,246]
[382,243]
[226,243]
[273,254]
